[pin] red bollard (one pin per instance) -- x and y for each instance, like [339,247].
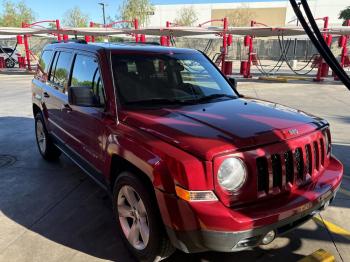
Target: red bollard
[163,40]
[65,38]
[21,62]
[228,68]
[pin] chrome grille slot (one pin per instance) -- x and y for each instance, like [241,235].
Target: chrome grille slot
[263,174]
[308,163]
[276,164]
[299,161]
[316,155]
[288,161]
[322,151]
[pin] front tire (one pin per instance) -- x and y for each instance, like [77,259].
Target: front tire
[45,145]
[138,219]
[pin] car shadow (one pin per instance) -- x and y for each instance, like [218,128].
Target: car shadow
[60,203]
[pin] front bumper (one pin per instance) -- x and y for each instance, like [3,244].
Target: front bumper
[202,240]
[204,226]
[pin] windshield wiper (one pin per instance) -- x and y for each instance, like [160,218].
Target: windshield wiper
[214,96]
[157,101]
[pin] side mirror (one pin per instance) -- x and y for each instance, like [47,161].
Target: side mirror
[233,82]
[82,96]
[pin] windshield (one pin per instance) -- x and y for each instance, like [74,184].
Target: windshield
[174,78]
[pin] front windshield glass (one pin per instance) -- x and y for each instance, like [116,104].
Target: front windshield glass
[175,78]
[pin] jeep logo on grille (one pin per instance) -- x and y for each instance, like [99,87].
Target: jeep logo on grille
[293,131]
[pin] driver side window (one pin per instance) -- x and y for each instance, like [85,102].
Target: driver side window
[86,74]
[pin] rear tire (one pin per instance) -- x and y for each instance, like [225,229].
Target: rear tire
[45,145]
[10,63]
[138,219]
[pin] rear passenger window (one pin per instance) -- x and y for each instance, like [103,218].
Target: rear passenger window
[86,74]
[44,65]
[60,70]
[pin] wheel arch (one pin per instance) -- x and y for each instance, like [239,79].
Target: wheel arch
[36,109]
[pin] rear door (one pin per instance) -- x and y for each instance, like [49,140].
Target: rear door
[86,123]
[55,93]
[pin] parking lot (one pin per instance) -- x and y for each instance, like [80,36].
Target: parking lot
[54,212]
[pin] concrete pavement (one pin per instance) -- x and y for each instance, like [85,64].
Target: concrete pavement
[54,212]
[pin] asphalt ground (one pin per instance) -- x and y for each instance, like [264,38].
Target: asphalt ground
[54,212]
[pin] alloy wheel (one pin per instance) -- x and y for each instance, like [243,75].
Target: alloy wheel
[133,217]
[41,136]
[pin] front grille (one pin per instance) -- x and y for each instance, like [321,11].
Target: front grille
[289,167]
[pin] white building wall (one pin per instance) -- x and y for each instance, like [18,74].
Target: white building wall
[320,8]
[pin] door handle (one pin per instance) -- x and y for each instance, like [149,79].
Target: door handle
[46,95]
[66,107]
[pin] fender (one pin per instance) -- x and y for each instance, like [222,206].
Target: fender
[164,164]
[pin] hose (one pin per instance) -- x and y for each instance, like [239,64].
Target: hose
[289,65]
[320,44]
[279,62]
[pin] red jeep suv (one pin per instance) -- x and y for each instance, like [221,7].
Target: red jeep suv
[188,162]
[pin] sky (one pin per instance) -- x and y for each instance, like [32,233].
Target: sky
[55,9]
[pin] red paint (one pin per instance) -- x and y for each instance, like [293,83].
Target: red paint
[19,40]
[185,146]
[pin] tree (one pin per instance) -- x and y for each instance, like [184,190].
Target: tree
[345,14]
[14,14]
[139,9]
[187,16]
[241,16]
[75,18]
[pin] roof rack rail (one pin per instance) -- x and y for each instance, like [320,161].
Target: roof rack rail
[77,41]
[140,43]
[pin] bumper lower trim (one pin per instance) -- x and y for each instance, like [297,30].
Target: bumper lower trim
[202,240]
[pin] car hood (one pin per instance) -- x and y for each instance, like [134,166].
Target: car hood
[206,130]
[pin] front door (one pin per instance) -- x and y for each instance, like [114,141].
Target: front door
[85,122]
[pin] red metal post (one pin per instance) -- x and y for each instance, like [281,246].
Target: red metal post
[136,26]
[247,71]
[143,39]
[344,45]
[323,67]
[58,27]
[168,24]
[26,48]
[224,45]
[92,37]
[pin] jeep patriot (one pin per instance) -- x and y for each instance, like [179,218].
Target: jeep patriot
[188,162]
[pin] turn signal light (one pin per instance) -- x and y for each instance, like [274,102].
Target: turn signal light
[193,196]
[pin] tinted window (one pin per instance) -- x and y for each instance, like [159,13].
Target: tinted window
[87,74]
[6,50]
[168,78]
[44,64]
[59,74]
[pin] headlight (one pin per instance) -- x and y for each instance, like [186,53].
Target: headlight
[232,174]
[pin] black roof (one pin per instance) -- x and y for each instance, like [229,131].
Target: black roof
[128,46]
